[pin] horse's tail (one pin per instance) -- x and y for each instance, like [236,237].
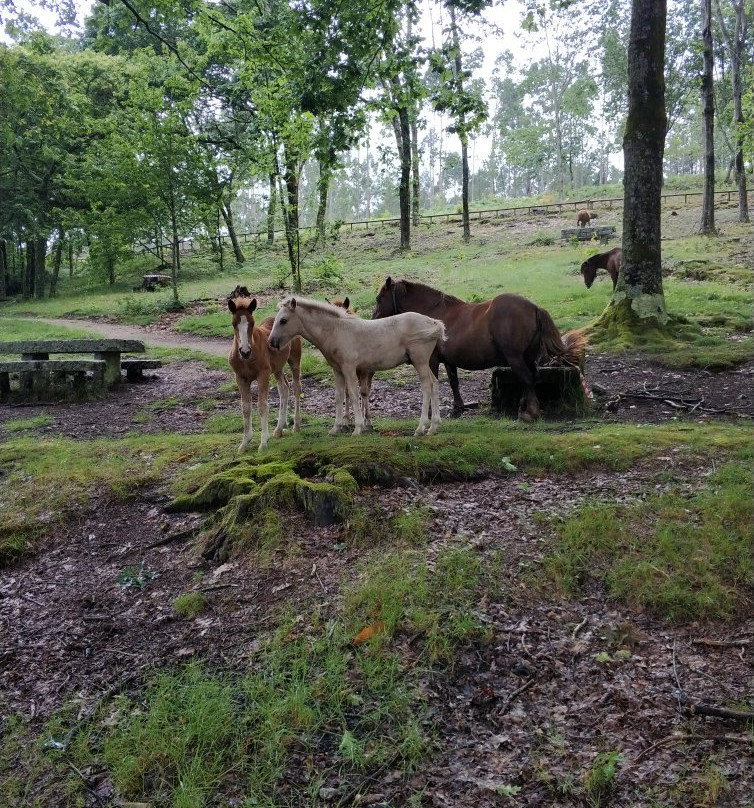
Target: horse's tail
[575,342]
[573,347]
[551,345]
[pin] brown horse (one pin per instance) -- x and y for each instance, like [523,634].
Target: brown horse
[253,359]
[508,330]
[583,219]
[609,260]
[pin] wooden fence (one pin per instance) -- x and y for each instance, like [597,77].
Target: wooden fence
[191,245]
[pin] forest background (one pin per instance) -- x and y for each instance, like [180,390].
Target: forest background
[138,126]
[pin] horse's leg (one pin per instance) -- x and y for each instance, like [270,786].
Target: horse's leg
[284,390]
[452,372]
[429,396]
[613,270]
[340,396]
[354,394]
[296,372]
[244,388]
[365,385]
[263,387]
[528,406]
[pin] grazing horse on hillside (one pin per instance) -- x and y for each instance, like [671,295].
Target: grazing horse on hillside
[508,330]
[354,347]
[253,359]
[610,260]
[583,219]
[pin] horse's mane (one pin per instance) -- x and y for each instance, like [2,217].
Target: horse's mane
[318,305]
[423,287]
[241,296]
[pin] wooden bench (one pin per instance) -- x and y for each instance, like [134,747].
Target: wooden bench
[134,367]
[36,368]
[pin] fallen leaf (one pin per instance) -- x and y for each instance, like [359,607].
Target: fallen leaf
[368,632]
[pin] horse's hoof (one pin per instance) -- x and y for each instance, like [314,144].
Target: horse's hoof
[419,431]
[526,417]
[432,430]
[242,446]
[456,413]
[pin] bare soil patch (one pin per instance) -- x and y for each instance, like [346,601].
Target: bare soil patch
[529,710]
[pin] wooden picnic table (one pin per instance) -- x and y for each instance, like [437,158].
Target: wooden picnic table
[105,367]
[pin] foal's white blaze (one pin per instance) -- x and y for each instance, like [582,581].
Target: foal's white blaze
[243,336]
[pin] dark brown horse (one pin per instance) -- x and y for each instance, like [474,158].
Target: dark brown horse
[583,219]
[609,260]
[508,330]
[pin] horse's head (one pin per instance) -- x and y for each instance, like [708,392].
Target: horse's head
[387,299]
[283,329]
[589,271]
[241,305]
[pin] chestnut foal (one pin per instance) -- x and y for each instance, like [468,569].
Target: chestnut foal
[252,359]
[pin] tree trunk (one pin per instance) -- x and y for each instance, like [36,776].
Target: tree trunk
[227,214]
[39,268]
[175,263]
[3,269]
[461,130]
[57,263]
[271,210]
[638,301]
[707,227]
[465,188]
[323,186]
[736,46]
[415,178]
[289,203]
[404,192]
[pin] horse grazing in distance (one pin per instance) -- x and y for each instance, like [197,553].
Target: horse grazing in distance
[583,219]
[252,359]
[508,330]
[610,260]
[353,347]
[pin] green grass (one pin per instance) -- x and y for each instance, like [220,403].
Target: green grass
[308,688]
[681,557]
[44,480]
[14,425]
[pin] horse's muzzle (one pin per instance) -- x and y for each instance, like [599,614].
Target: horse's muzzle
[274,342]
[244,354]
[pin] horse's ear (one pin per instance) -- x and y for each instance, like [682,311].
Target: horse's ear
[292,304]
[232,305]
[253,305]
[346,304]
[388,282]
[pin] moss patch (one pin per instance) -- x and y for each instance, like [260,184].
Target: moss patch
[248,494]
[679,343]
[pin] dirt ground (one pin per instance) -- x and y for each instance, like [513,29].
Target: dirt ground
[532,704]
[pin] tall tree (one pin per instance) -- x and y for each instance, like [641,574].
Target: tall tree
[638,301]
[736,44]
[707,226]
[456,93]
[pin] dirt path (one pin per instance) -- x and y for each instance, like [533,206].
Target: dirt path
[158,338]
